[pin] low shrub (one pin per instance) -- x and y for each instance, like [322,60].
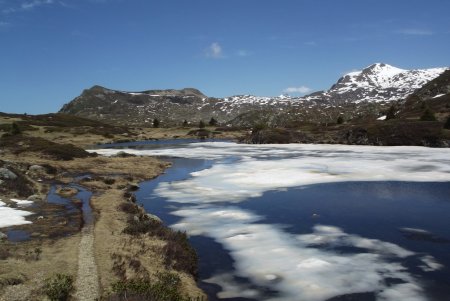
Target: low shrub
[20,143]
[58,287]
[178,253]
[4,253]
[129,208]
[10,281]
[109,181]
[164,288]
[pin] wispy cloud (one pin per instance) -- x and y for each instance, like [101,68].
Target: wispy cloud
[28,5]
[243,53]
[414,32]
[214,51]
[300,90]
[35,3]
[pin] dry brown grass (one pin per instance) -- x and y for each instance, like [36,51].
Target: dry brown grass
[120,255]
[58,256]
[114,251]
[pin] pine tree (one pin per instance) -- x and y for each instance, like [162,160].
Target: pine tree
[428,115]
[391,113]
[340,120]
[155,123]
[201,124]
[213,122]
[185,123]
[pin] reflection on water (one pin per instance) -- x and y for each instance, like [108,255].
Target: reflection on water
[310,222]
[82,194]
[17,235]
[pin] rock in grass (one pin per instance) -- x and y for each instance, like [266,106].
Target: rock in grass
[6,174]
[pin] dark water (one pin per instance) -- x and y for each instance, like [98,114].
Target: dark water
[376,210]
[83,195]
[17,235]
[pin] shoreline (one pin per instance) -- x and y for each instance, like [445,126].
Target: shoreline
[109,181]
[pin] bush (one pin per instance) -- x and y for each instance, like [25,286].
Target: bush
[212,122]
[165,288]
[155,123]
[428,115]
[109,181]
[201,124]
[15,130]
[340,120]
[259,127]
[447,123]
[19,144]
[179,254]
[58,287]
[129,208]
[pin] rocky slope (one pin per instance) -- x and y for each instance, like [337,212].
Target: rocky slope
[362,93]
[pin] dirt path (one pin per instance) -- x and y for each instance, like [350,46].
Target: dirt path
[86,286]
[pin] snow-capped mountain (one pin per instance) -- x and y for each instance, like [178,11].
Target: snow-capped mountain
[378,82]
[353,94]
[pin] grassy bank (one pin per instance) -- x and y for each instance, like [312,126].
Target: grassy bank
[153,256]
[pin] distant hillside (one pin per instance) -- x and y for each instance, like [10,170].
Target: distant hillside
[362,94]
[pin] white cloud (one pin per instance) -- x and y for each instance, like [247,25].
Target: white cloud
[301,90]
[415,32]
[214,51]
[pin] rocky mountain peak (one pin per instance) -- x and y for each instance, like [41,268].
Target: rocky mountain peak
[372,87]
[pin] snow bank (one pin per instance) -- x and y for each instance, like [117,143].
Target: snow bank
[12,216]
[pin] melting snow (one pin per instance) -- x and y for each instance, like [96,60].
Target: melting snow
[12,216]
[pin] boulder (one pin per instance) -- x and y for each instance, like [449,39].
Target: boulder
[154,217]
[6,174]
[37,171]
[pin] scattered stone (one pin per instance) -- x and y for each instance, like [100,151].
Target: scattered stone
[154,217]
[36,168]
[6,174]
[34,198]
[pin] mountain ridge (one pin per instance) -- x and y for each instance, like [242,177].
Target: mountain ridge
[359,92]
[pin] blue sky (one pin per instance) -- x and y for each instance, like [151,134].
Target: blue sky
[50,50]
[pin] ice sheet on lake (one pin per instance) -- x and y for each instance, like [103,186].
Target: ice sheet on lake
[297,266]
